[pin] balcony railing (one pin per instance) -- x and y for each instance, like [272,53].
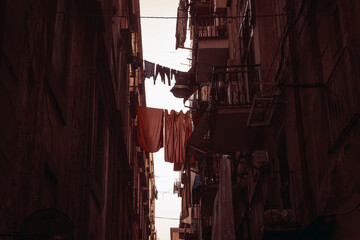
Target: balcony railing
[343,106]
[234,85]
[280,201]
[211,26]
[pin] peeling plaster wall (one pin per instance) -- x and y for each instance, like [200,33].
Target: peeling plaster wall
[50,83]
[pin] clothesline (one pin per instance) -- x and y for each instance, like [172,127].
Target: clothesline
[154,70]
[159,128]
[168,17]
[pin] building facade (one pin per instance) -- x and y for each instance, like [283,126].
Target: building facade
[276,92]
[70,85]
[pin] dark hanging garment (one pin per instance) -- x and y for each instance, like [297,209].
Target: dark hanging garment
[167,73]
[160,70]
[149,69]
[173,74]
[136,62]
[181,23]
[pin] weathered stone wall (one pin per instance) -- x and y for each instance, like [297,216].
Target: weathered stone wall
[56,64]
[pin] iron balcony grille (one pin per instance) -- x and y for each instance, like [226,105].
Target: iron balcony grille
[210,26]
[236,85]
[342,104]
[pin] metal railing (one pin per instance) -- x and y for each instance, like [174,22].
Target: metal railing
[343,108]
[235,85]
[211,26]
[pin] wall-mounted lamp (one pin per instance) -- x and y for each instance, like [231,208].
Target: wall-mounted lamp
[181,88]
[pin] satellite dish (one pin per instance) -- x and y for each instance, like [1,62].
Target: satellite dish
[48,224]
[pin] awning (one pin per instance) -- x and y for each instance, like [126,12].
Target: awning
[197,135]
[230,134]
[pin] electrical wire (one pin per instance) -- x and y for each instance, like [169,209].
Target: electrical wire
[169,17]
[168,218]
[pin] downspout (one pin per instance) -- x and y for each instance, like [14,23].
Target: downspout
[307,191]
[88,166]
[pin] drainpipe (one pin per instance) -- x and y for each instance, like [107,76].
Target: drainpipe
[308,194]
[84,226]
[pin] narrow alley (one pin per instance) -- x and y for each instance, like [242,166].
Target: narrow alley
[249,130]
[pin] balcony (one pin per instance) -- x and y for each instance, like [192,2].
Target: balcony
[211,26]
[210,43]
[233,86]
[235,100]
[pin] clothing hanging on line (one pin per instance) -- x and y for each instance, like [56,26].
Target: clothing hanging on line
[152,70]
[177,131]
[167,73]
[223,217]
[149,69]
[173,73]
[159,70]
[171,133]
[181,23]
[163,71]
[150,128]
[136,62]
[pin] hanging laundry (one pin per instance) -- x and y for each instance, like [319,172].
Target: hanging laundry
[159,70]
[181,23]
[173,73]
[150,128]
[177,167]
[171,134]
[185,129]
[167,73]
[163,71]
[136,62]
[149,69]
[177,131]
[223,218]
